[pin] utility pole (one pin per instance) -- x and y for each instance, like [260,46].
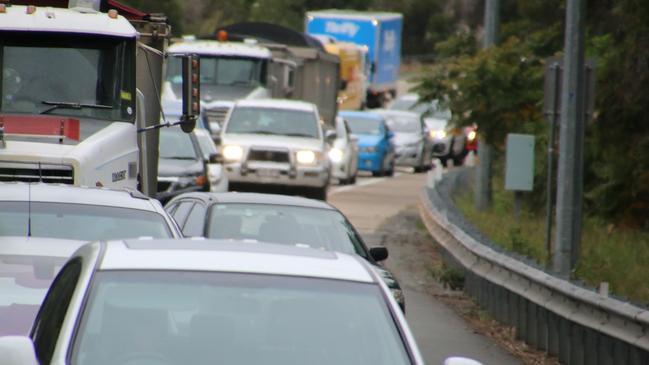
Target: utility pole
[571,143]
[485,151]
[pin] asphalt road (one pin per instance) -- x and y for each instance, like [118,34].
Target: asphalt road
[439,331]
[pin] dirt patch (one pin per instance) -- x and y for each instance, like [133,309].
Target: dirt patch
[417,261]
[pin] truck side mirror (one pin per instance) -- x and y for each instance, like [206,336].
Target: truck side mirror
[379,253]
[216,158]
[343,84]
[330,135]
[17,350]
[191,92]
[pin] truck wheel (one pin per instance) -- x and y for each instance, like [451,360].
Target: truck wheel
[318,193]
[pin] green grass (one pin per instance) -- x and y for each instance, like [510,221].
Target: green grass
[617,256]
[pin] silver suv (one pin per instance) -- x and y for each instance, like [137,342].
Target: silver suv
[275,142]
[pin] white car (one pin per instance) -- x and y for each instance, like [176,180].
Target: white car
[80,213]
[411,140]
[279,143]
[343,154]
[193,302]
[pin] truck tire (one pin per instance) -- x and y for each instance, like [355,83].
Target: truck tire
[318,193]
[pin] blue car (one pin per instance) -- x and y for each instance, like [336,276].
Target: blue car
[375,148]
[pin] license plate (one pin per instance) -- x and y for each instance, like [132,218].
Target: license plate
[267,173]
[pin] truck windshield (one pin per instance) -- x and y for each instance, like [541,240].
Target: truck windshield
[79,76]
[220,71]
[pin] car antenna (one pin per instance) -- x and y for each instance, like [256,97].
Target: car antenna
[29,210]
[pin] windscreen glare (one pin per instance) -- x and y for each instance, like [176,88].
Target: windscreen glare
[24,281]
[40,71]
[141,317]
[403,123]
[79,221]
[284,224]
[360,125]
[273,121]
[220,71]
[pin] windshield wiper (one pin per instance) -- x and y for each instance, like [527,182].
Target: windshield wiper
[261,132]
[180,158]
[70,105]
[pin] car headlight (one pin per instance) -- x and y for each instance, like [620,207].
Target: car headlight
[438,134]
[472,135]
[335,155]
[305,157]
[369,149]
[232,153]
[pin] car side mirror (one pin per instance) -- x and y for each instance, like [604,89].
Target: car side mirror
[460,361]
[379,253]
[216,158]
[217,139]
[330,135]
[343,84]
[17,350]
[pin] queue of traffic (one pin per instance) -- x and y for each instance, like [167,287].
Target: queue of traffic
[119,240]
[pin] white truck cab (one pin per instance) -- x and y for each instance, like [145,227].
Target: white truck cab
[229,71]
[67,97]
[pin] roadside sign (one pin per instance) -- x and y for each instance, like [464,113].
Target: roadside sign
[519,173]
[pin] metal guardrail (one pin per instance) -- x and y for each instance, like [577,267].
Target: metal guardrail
[577,325]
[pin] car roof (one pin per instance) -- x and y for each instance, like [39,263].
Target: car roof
[216,48]
[38,246]
[278,104]
[64,20]
[59,193]
[397,112]
[359,114]
[233,256]
[256,198]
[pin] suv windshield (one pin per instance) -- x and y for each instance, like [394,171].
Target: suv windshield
[81,222]
[182,317]
[360,125]
[286,122]
[78,76]
[285,224]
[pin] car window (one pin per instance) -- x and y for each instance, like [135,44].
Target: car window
[195,221]
[361,125]
[290,225]
[403,123]
[175,318]
[83,222]
[176,144]
[181,212]
[52,313]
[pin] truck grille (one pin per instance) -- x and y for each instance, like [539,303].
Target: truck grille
[217,115]
[36,172]
[268,155]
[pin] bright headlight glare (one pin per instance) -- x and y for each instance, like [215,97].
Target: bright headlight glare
[305,157]
[336,155]
[232,153]
[472,135]
[440,134]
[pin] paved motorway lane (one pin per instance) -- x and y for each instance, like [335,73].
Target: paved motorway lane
[440,332]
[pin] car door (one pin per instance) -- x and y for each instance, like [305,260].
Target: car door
[353,149]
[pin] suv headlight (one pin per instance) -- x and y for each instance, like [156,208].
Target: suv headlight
[306,157]
[438,134]
[232,153]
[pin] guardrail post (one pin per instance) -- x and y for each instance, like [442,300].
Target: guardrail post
[590,346]
[512,315]
[620,352]
[532,331]
[638,357]
[553,334]
[522,322]
[605,350]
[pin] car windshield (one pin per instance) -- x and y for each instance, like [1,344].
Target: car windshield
[177,318]
[91,77]
[24,281]
[403,123]
[284,224]
[273,121]
[360,125]
[404,104]
[220,71]
[176,144]
[81,222]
